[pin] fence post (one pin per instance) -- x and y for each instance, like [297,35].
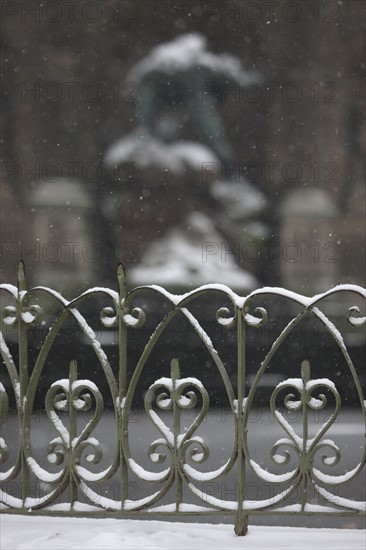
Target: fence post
[73,375]
[122,381]
[24,417]
[241,520]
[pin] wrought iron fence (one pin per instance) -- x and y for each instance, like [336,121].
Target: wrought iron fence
[179,478]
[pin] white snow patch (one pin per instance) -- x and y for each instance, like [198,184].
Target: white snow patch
[17,390]
[145,151]
[145,474]
[188,51]
[182,255]
[27,317]
[42,474]
[60,428]
[204,476]
[38,533]
[335,479]
[332,329]
[341,501]
[91,336]
[10,288]
[5,475]
[204,336]
[241,199]
[5,352]
[268,476]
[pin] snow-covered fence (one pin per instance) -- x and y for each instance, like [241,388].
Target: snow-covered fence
[63,462]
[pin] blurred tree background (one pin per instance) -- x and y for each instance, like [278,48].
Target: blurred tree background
[297,136]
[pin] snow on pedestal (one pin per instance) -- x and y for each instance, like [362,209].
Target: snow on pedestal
[147,151]
[191,255]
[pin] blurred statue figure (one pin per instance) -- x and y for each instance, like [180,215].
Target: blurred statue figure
[175,100]
[165,205]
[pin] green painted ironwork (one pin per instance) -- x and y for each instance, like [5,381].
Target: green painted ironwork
[69,487]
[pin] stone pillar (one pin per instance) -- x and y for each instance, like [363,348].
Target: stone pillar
[64,250]
[308,248]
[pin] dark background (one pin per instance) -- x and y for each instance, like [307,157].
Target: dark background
[314,50]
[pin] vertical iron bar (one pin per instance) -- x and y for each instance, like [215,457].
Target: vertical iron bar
[305,375]
[122,379]
[72,431]
[23,381]
[175,375]
[241,520]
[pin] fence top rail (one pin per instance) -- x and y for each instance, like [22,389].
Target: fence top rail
[179,299]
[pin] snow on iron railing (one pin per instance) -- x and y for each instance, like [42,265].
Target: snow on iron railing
[68,443]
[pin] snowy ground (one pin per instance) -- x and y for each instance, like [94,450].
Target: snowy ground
[27,533]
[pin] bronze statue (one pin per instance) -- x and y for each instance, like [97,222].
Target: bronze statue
[178,85]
